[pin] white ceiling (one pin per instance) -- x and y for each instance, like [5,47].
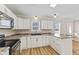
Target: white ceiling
[62,10]
[31,9]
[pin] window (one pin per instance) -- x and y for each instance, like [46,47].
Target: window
[57,29]
[5,24]
[35,25]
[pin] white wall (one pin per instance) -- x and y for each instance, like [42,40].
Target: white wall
[76,28]
[65,27]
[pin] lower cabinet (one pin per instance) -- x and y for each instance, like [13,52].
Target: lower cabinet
[34,41]
[62,46]
[23,42]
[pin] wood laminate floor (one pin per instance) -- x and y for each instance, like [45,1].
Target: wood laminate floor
[75,47]
[47,50]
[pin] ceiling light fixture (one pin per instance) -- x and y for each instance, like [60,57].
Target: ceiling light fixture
[35,18]
[52,5]
[54,15]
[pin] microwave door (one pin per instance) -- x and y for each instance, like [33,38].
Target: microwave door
[5,24]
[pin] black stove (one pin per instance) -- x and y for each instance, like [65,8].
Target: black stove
[10,43]
[14,44]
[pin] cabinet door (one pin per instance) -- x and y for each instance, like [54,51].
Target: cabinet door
[44,40]
[46,24]
[32,42]
[43,24]
[23,42]
[6,53]
[2,8]
[26,23]
[15,24]
[29,42]
[20,23]
[40,41]
[50,24]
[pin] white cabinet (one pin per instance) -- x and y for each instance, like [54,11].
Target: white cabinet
[29,42]
[21,23]
[62,46]
[15,24]
[26,23]
[38,41]
[56,44]
[2,8]
[66,46]
[6,52]
[34,41]
[7,11]
[23,42]
[46,24]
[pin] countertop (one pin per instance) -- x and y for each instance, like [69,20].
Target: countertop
[3,50]
[64,37]
[19,35]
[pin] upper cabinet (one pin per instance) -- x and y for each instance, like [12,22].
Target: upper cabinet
[8,16]
[22,23]
[7,11]
[46,24]
[27,23]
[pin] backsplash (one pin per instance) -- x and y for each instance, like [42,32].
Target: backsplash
[7,32]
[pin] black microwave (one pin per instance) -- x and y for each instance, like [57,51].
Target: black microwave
[6,21]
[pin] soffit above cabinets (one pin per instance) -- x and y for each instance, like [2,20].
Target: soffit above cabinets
[70,11]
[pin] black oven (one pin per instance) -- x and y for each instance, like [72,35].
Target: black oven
[14,45]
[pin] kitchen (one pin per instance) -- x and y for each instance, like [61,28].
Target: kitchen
[38,29]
